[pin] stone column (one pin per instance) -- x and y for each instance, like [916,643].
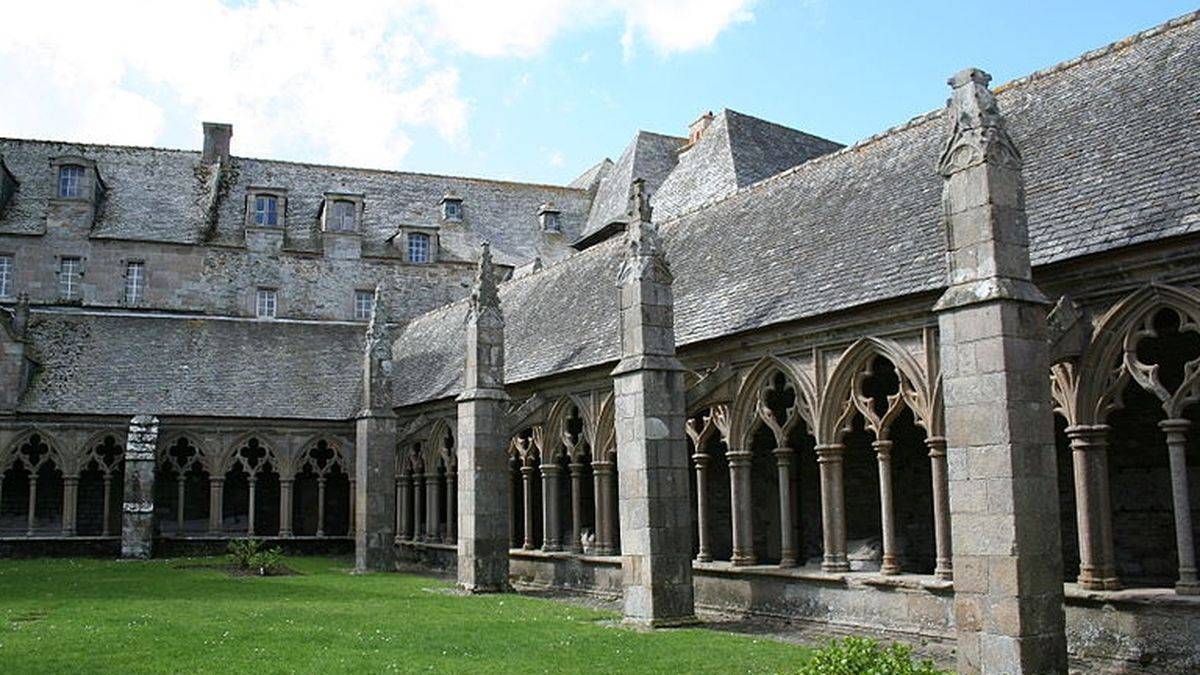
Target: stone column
[374,480]
[652,450]
[1093,507]
[999,424]
[576,469]
[887,510]
[216,504]
[418,533]
[830,460]
[943,569]
[433,498]
[106,529]
[451,536]
[740,506]
[527,478]
[285,507]
[484,475]
[1176,431]
[30,515]
[321,506]
[704,552]
[137,522]
[514,507]
[252,481]
[602,473]
[401,507]
[551,515]
[70,505]
[787,528]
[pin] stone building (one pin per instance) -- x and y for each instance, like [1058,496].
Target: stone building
[940,385]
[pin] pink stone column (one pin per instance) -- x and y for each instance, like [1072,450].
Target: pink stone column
[285,507]
[216,507]
[887,510]
[70,502]
[783,458]
[551,532]
[833,507]
[739,496]
[944,568]
[1176,431]
[1093,507]
[527,479]
[704,552]
[576,544]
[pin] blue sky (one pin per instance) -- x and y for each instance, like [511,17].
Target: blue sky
[533,90]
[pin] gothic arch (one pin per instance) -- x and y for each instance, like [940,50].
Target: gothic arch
[54,457]
[745,415]
[230,457]
[1087,394]
[841,400]
[436,446]
[88,448]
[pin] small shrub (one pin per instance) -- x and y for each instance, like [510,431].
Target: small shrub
[248,555]
[861,656]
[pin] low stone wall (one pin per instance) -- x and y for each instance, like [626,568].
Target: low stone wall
[594,575]
[439,558]
[1133,631]
[110,547]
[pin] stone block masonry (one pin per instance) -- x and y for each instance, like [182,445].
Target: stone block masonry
[137,518]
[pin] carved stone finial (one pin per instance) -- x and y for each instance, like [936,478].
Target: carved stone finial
[485,295]
[644,254]
[377,357]
[976,127]
[639,202]
[377,326]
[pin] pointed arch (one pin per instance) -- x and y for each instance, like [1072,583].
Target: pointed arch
[87,451]
[744,415]
[54,456]
[230,456]
[838,406]
[1107,365]
[436,446]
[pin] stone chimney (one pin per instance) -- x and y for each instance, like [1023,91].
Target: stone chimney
[696,129]
[216,143]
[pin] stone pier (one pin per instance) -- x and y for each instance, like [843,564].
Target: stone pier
[652,453]
[137,517]
[484,483]
[375,452]
[999,424]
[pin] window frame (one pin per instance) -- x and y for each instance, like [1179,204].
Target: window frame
[69,281]
[411,238]
[76,183]
[135,284]
[333,213]
[271,298]
[8,265]
[266,210]
[363,312]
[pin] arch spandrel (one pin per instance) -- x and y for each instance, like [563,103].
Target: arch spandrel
[842,397]
[746,414]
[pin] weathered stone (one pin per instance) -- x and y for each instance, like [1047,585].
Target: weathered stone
[137,514]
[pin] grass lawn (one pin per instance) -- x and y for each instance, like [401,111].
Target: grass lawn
[106,616]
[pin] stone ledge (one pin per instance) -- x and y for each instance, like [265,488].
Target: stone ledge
[1163,597]
[436,545]
[538,554]
[915,582]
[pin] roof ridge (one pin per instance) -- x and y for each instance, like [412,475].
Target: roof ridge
[315,165]
[1088,56]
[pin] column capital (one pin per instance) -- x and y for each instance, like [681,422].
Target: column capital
[739,457]
[882,447]
[1175,425]
[701,459]
[551,470]
[830,452]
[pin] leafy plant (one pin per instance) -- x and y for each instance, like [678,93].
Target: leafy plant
[250,556]
[861,656]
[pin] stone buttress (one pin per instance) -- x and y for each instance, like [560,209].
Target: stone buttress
[375,451]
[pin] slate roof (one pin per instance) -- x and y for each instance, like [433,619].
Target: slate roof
[155,195]
[590,179]
[126,365]
[735,150]
[648,156]
[1111,143]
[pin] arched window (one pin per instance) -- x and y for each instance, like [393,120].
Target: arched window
[418,247]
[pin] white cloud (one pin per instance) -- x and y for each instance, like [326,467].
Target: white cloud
[346,82]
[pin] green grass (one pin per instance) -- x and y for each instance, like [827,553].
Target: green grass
[106,616]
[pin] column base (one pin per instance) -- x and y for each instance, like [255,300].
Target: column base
[743,560]
[889,569]
[834,566]
[677,622]
[704,557]
[1093,583]
[1187,588]
[944,572]
[788,562]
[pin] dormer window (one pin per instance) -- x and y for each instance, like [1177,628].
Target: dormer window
[548,215]
[70,181]
[342,212]
[266,211]
[265,207]
[418,247]
[8,185]
[452,207]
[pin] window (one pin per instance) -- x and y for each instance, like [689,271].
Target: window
[418,247]
[266,303]
[364,302]
[70,177]
[453,210]
[266,210]
[344,216]
[69,271]
[550,221]
[135,282]
[6,275]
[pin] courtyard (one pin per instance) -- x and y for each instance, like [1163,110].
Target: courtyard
[189,615]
